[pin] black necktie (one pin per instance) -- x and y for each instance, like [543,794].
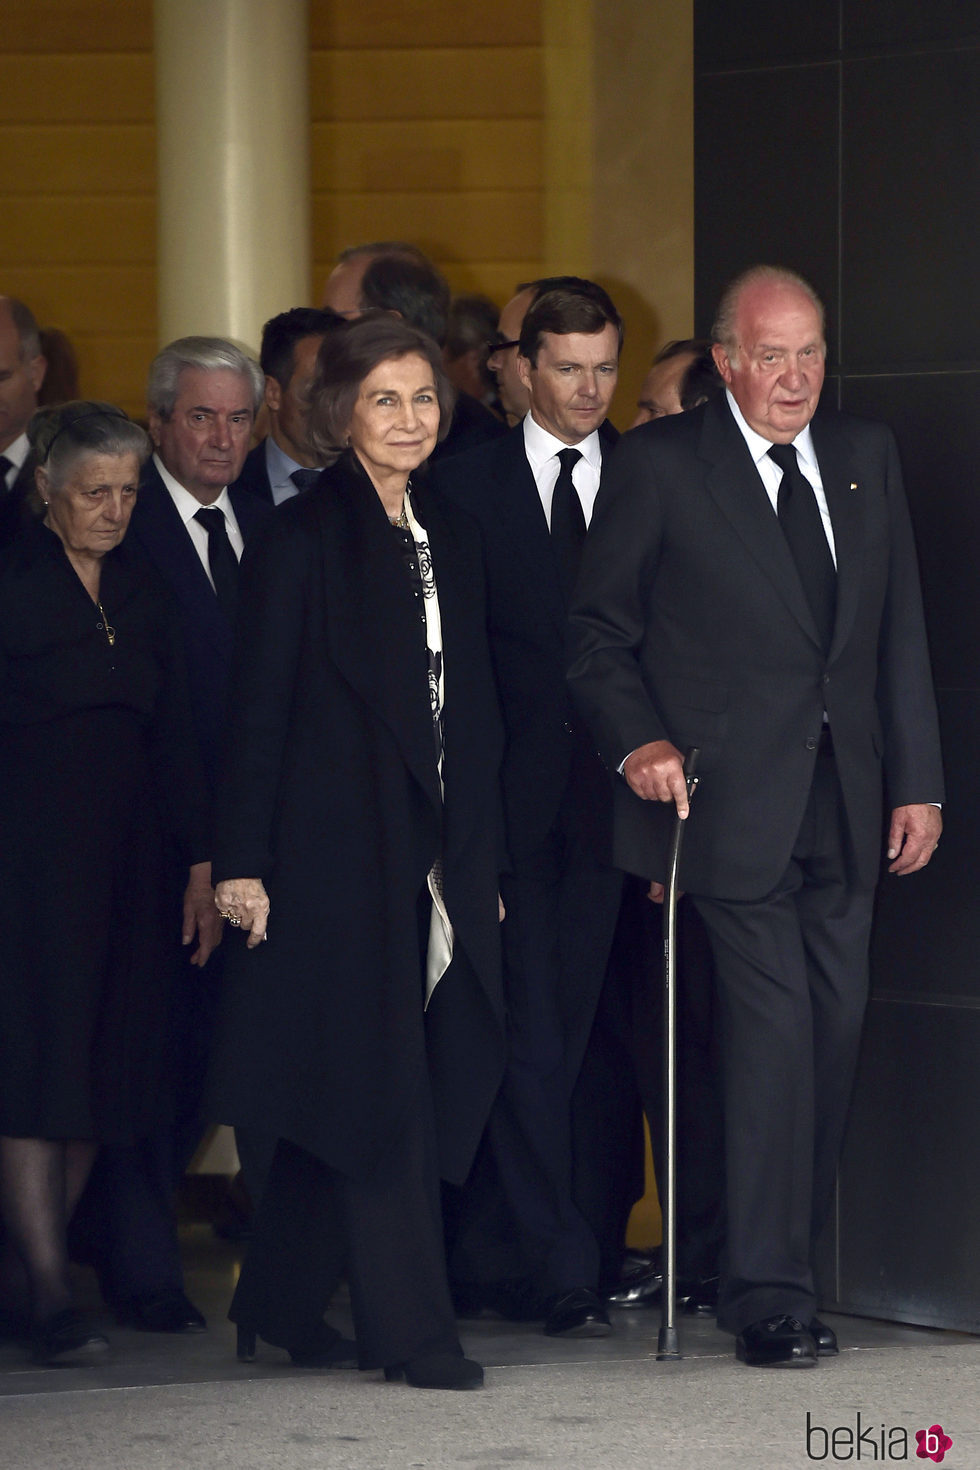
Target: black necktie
[799,516]
[304,479]
[221,559]
[5,465]
[567,523]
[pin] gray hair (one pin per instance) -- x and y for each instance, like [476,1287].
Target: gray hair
[62,434]
[206,354]
[28,332]
[723,330]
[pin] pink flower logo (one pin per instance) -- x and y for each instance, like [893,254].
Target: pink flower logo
[933,1443]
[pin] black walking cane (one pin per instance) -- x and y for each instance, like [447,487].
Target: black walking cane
[668,1346]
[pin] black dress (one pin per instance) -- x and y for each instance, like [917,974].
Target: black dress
[97,770]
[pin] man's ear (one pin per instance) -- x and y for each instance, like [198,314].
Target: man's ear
[153,423]
[524,371]
[720,357]
[273,394]
[37,367]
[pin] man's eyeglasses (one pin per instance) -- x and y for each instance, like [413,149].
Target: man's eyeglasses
[499,344]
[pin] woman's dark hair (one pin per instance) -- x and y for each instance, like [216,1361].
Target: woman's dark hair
[61,434]
[347,355]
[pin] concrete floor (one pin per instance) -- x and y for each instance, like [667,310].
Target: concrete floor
[161,1402]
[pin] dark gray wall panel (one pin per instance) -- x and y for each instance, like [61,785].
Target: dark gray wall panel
[890,22]
[757,30]
[909,1194]
[927,934]
[936,419]
[766,212]
[910,287]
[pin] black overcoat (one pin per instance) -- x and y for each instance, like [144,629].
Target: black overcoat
[330,794]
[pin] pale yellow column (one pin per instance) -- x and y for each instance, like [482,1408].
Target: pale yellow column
[232,109]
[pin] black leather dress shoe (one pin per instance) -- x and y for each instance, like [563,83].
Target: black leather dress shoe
[700,1298]
[162,1311]
[776,1342]
[67,1337]
[577,1313]
[825,1337]
[437,1370]
[638,1289]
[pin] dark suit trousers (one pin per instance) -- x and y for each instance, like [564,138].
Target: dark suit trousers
[518,1219]
[792,974]
[313,1224]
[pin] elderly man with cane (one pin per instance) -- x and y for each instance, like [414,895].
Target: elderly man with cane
[749,587]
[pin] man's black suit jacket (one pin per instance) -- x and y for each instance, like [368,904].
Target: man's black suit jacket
[208,635]
[17,507]
[527,625]
[255,476]
[690,624]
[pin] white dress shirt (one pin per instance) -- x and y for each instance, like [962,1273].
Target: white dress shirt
[772,475]
[16,453]
[542,451]
[187,508]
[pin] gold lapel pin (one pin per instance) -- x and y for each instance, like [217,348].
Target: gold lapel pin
[853,486]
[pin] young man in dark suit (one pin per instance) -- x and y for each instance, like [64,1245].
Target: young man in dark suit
[522,1245]
[750,588]
[285,462]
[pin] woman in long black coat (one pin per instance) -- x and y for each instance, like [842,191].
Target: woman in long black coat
[97,765]
[359,801]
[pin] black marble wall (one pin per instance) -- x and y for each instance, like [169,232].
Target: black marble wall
[842,138]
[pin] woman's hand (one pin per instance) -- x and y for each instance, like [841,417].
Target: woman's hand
[200,918]
[245,904]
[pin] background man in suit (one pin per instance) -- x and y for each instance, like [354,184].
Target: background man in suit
[518,1222]
[750,588]
[203,394]
[683,374]
[285,462]
[503,358]
[398,278]
[21,375]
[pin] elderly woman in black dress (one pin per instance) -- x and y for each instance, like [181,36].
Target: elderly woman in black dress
[357,833]
[94,767]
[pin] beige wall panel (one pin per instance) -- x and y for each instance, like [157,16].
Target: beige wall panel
[643,231]
[460,227]
[495,279]
[115,300]
[76,89]
[430,156]
[362,23]
[485,82]
[77,25]
[97,230]
[118,365]
[77,160]
[568,135]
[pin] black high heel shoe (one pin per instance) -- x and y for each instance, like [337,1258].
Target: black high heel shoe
[323,1348]
[437,1370]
